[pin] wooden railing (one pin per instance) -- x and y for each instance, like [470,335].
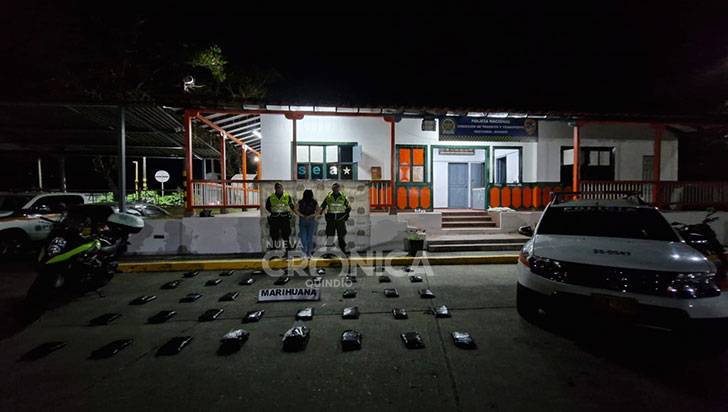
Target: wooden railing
[668,195]
[693,195]
[209,194]
[645,189]
[522,197]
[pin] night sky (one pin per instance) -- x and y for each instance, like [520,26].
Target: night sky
[601,58]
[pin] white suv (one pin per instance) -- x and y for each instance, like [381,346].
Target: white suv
[618,258]
[21,216]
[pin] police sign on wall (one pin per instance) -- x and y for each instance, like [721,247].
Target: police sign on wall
[487,128]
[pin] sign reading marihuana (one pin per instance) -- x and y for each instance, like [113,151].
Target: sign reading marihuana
[279,294]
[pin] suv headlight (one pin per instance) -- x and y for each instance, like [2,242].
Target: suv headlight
[55,246]
[693,285]
[548,268]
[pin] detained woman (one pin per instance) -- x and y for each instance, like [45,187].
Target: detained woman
[308,211]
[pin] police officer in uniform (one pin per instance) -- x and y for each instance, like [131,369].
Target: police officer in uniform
[279,205]
[337,211]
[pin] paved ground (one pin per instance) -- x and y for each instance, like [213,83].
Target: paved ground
[517,365]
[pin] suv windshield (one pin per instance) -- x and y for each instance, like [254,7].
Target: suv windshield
[622,222]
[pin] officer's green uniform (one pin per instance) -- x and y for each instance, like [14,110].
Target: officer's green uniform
[280,218]
[337,213]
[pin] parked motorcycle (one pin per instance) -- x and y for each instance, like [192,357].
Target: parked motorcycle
[702,237]
[81,251]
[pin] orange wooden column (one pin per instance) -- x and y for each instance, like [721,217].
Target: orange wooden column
[577,150]
[244,163]
[187,124]
[395,204]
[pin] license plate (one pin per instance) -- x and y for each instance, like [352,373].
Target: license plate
[614,305]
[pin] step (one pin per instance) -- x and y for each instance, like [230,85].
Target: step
[489,240]
[476,213]
[464,219]
[467,224]
[461,247]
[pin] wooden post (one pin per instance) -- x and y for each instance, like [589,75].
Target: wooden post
[223,173]
[577,151]
[244,162]
[187,124]
[656,160]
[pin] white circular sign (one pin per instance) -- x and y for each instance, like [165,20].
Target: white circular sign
[161,176]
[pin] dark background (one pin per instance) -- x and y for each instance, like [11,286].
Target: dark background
[606,57]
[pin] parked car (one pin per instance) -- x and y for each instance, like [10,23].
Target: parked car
[144,210]
[21,219]
[619,258]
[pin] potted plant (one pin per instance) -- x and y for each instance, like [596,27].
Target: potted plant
[414,243]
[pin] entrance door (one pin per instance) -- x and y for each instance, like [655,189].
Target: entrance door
[457,185]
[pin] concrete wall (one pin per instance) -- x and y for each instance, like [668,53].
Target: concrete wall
[197,235]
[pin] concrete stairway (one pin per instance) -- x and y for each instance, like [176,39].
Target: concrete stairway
[472,219]
[476,242]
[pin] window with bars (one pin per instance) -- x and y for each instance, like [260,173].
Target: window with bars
[411,167]
[326,161]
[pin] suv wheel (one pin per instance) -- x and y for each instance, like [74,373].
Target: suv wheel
[529,304]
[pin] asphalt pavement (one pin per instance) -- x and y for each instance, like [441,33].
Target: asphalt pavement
[517,366]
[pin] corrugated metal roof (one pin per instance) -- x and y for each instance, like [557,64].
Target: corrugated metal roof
[74,128]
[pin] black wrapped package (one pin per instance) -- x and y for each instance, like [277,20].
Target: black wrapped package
[172,285]
[412,340]
[229,297]
[296,338]
[416,279]
[399,313]
[442,312]
[426,294]
[42,351]
[104,319]
[162,316]
[350,340]
[191,297]
[350,293]
[210,315]
[213,282]
[384,279]
[282,280]
[191,274]
[463,340]
[142,300]
[174,346]
[232,341]
[350,313]
[247,281]
[391,293]
[253,316]
[111,349]
[304,314]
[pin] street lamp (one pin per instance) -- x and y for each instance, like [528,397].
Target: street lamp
[136,178]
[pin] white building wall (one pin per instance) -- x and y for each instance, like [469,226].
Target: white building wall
[630,141]
[541,157]
[371,133]
[275,147]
